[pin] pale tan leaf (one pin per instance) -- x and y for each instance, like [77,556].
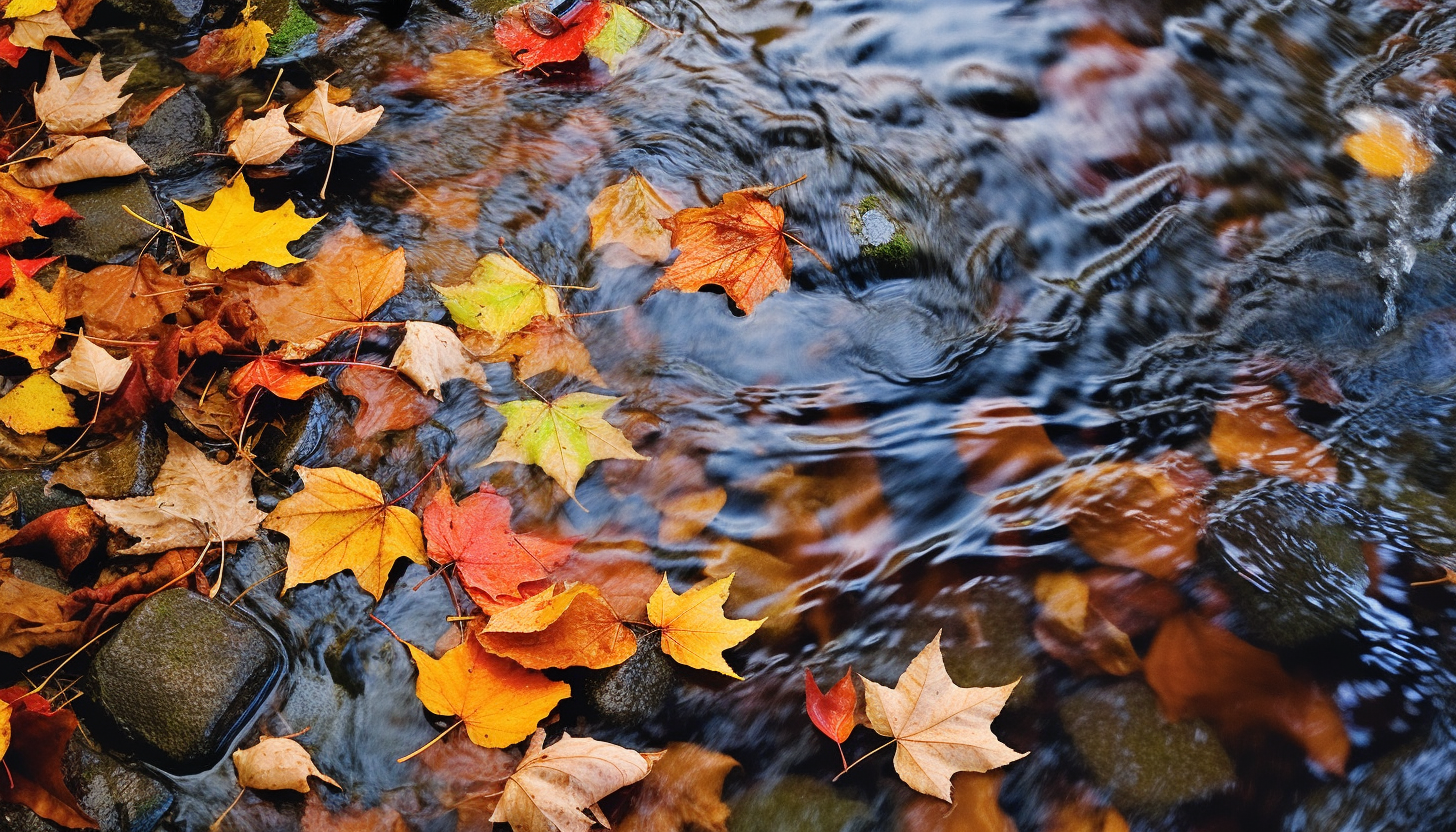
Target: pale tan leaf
[431,355]
[71,105]
[553,787]
[263,141]
[78,159]
[334,124]
[31,32]
[91,369]
[277,763]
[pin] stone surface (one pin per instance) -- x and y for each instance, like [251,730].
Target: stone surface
[1148,763]
[797,804]
[121,798]
[35,499]
[181,676]
[169,15]
[105,233]
[304,433]
[176,132]
[35,572]
[635,690]
[124,468]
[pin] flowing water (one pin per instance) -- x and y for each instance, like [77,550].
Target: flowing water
[1117,209]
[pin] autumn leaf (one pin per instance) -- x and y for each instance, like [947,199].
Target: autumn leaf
[431,355]
[73,159]
[77,103]
[284,380]
[91,369]
[514,33]
[11,266]
[20,206]
[232,51]
[737,244]
[499,701]
[630,214]
[98,607]
[1252,429]
[31,32]
[694,630]
[352,275]
[386,401]
[623,30]
[32,774]
[1386,145]
[546,343]
[1002,442]
[36,405]
[153,378]
[832,713]
[554,787]
[500,297]
[455,75]
[33,617]
[26,8]
[64,536]
[31,319]
[939,728]
[561,437]
[1073,631]
[683,791]
[976,808]
[235,235]
[339,521]
[570,627]
[263,141]
[491,560]
[333,124]
[277,763]
[195,501]
[122,302]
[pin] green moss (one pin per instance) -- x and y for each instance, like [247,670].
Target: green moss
[296,26]
[898,250]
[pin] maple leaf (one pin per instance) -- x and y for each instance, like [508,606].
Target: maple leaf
[33,616]
[26,8]
[694,630]
[122,302]
[832,713]
[153,379]
[570,627]
[630,214]
[31,32]
[683,791]
[77,103]
[939,727]
[277,763]
[340,521]
[73,158]
[738,244]
[235,235]
[232,51]
[20,206]
[10,51]
[514,33]
[544,344]
[561,437]
[91,369]
[491,560]
[36,405]
[31,319]
[553,787]
[11,266]
[195,501]
[458,74]
[623,30]
[284,380]
[263,141]
[1002,442]
[499,701]
[39,735]
[1252,429]
[333,124]
[431,355]
[500,297]
[352,275]
[386,401]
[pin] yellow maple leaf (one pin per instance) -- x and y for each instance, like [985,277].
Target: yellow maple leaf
[30,319]
[694,630]
[37,405]
[236,235]
[340,521]
[561,437]
[499,701]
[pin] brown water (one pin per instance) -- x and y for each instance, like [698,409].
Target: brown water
[1114,206]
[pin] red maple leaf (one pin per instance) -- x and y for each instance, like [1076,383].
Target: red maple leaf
[492,560]
[832,713]
[514,32]
[38,738]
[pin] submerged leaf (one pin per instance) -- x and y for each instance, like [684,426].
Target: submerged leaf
[630,214]
[694,630]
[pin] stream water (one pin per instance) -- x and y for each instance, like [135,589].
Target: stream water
[1116,210]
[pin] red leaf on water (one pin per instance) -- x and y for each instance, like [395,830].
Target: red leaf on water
[492,560]
[515,34]
[833,712]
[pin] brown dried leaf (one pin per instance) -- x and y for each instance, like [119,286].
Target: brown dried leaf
[386,401]
[75,159]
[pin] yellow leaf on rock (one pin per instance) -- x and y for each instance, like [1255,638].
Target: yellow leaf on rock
[31,319]
[499,701]
[571,627]
[36,405]
[339,521]
[694,630]
[236,235]
[628,213]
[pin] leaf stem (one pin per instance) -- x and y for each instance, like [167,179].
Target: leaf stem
[808,248]
[333,148]
[136,216]
[73,655]
[218,823]
[422,479]
[861,759]
[421,749]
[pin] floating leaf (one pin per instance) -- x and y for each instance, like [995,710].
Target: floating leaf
[623,30]
[571,627]
[630,214]
[500,297]
[491,560]
[263,141]
[36,405]
[694,630]
[737,244]
[553,787]
[284,380]
[1386,144]
[499,701]
[561,437]
[232,51]
[514,33]
[236,235]
[277,763]
[431,355]
[334,124]
[832,713]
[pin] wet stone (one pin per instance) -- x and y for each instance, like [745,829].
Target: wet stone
[176,132]
[169,15]
[16,818]
[1000,648]
[35,498]
[1148,763]
[181,676]
[124,468]
[305,433]
[634,691]
[40,574]
[119,797]
[797,804]
[105,233]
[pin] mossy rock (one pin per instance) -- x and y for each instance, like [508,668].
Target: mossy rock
[797,804]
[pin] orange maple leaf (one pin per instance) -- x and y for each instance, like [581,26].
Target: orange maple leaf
[476,536]
[280,378]
[571,627]
[499,701]
[738,244]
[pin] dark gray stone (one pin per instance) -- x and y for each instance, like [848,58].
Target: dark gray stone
[35,572]
[797,804]
[30,489]
[119,797]
[105,233]
[181,676]
[167,15]
[15,818]
[303,434]
[1148,763]
[124,468]
[177,131]
[634,691]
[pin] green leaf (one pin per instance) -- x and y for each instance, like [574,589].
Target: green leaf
[623,31]
[500,297]
[561,437]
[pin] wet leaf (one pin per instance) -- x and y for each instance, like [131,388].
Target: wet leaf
[832,713]
[491,560]
[569,627]
[11,266]
[500,297]
[122,302]
[284,380]
[338,522]
[31,319]
[1075,817]
[26,8]
[545,344]
[65,536]
[263,141]
[939,728]
[1002,442]
[31,32]
[77,103]
[684,791]
[33,617]
[73,159]
[1202,670]
[20,206]
[623,30]
[318,818]
[630,214]
[1075,633]
[694,630]
[386,401]
[10,51]
[514,33]
[499,701]
[561,437]
[976,807]
[467,779]
[737,244]
[431,355]
[452,75]
[1252,429]
[1386,144]
[153,378]
[685,515]
[195,501]
[232,51]
[333,124]
[554,787]
[277,763]
[622,571]
[36,405]
[39,735]
[109,603]
[235,235]
[91,369]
